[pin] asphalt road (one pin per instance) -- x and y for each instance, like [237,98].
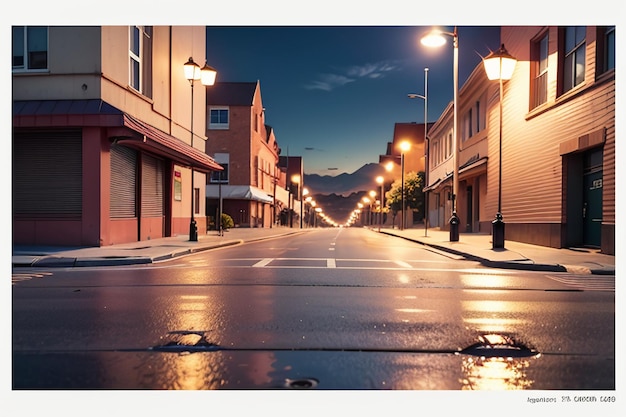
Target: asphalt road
[333,309]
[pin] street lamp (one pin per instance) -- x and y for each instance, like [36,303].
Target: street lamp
[381,180]
[404,147]
[436,38]
[297,179]
[426,145]
[305,191]
[206,75]
[499,65]
[372,201]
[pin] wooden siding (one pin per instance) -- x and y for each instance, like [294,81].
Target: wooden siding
[532,183]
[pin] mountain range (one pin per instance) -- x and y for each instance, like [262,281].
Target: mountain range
[339,195]
[363,179]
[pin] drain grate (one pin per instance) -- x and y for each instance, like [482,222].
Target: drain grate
[496,345]
[186,341]
[301,383]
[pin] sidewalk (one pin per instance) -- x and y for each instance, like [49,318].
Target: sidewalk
[471,246]
[514,255]
[144,252]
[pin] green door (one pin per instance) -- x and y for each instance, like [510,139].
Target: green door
[592,199]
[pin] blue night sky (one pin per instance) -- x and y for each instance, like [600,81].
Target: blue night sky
[333,93]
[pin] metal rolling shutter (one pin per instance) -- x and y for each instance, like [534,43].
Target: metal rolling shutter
[123,182]
[151,186]
[48,172]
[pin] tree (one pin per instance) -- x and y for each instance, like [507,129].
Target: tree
[413,193]
[227,222]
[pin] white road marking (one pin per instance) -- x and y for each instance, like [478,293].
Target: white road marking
[330,263]
[262,263]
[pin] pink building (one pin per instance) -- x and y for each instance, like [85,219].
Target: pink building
[102,135]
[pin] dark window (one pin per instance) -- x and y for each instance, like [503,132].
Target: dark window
[539,82]
[478,116]
[220,176]
[140,54]
[30,47]
[219,116]
[573,57]
[606,49]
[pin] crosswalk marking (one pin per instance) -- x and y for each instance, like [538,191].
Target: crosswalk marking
[17,277]
[330,263]
[403,264]
[262,263]
[587,282]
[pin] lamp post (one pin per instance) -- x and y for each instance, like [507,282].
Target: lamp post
[206,75]
[304,192]
[404,147]
[435,39]
[426,146]
[499,65]
[220,231]
[297,179]
[372,201]
[381,180]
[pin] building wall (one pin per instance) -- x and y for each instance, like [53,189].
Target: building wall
[93,63]
[536,141]
[169,108]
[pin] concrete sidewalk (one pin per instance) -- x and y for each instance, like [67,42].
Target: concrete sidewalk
[514,255]
[471,246]
[144,252]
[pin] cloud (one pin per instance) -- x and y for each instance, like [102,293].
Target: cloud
[329,82]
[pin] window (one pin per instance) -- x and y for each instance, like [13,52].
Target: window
[573,57]
[218,118]
[539,68]
[220,176]
[140,53]
[606,49]
[473,120]
[30,47]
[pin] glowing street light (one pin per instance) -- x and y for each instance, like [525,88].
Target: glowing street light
[207,76]
[437,38]
[499,65]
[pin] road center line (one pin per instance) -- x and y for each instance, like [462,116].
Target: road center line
[262,263]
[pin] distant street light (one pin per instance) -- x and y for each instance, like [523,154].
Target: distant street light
[206,75]
[373,200]
[499,65]
[426,146]
[381,180]
[404,147]
[435,39]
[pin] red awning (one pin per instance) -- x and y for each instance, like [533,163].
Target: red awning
[161,143]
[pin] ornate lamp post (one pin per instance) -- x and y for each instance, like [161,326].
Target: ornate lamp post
[435,39]
[499,65]
[206,75]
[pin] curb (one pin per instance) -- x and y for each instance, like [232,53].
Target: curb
[488,262]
